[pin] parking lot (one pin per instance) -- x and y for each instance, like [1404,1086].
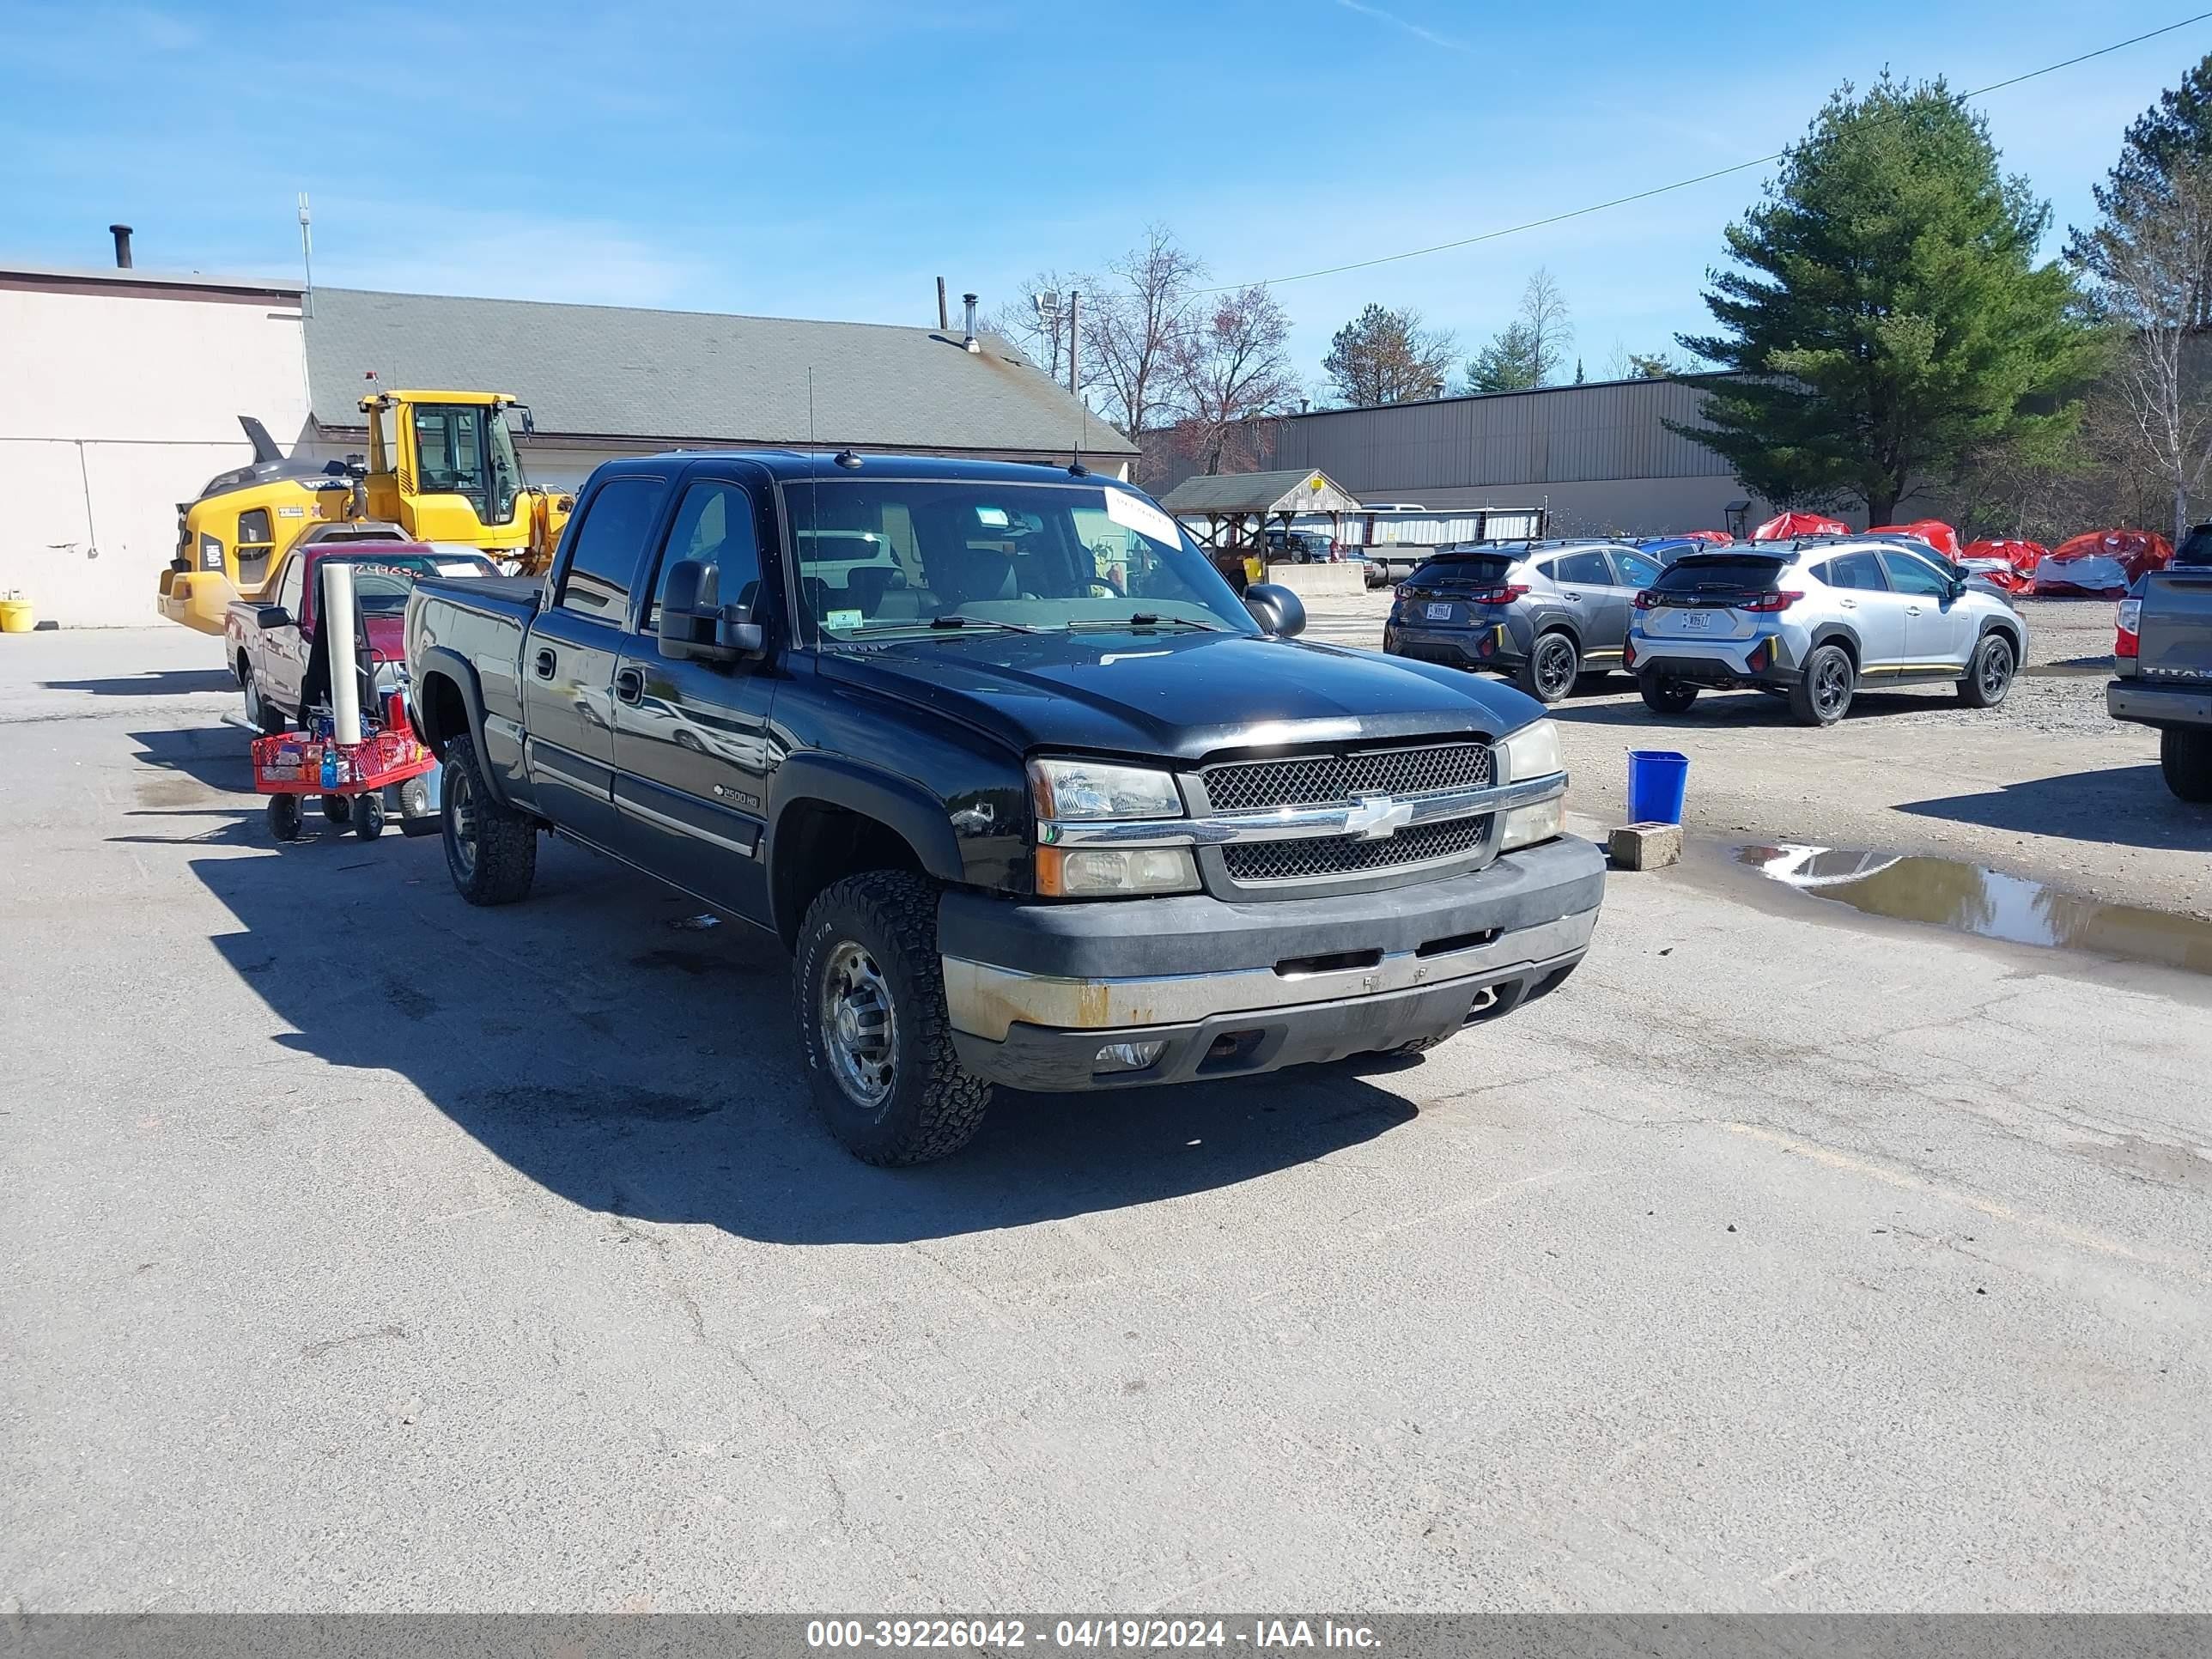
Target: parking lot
[365,1250]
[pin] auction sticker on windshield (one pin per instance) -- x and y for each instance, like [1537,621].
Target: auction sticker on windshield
[1134,512]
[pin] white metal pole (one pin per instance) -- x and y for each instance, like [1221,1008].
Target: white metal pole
[337,630]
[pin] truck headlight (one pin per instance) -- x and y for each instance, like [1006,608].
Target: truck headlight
[1114,871]
[210,552]
[1095,789]
[1531,752]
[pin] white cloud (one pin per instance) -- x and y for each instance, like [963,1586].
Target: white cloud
[1410,27]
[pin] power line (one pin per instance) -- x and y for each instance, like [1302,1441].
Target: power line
[1680,183]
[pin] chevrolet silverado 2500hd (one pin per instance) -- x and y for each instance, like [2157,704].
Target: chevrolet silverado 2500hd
[1030,795]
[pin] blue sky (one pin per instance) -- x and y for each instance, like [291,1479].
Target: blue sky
[832,160]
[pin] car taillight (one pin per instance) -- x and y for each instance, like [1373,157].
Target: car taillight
[1406,591]
[1767,602]
[2126,641]
[1646,600]
[1506,594]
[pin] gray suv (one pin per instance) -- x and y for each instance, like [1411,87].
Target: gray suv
[1544,612]
[1815,620]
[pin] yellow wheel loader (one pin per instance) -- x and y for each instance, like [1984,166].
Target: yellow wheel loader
[441,468]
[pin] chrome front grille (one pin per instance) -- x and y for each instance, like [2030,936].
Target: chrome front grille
[1346,855]
[1340,780]
[1409,772]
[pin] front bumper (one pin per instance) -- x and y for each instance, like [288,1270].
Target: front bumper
[2157,705]
[1035,991]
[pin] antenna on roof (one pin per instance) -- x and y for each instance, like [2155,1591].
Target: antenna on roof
[1075,467]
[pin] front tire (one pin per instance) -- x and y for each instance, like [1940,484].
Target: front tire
[491,850]
[368,816]
[2184,760]
[1662,695]
[284,816]
[1988,673]
[872,1024]
[1822,694]
[1548,673]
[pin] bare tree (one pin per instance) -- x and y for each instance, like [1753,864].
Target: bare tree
[1551,328]
[1231,370]
[1042,333]
[1134,327]
[2153,256]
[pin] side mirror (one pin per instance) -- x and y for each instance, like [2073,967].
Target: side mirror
[694,627]
[1958,587]
[1276,609]
[273,615]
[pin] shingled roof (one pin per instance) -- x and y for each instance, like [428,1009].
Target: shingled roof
[697,377]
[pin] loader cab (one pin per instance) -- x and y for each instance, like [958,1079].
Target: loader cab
[444,464]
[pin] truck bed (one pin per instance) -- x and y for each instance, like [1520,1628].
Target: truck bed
[516,596]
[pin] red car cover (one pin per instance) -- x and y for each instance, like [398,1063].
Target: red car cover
[1718,537]
[1937,534]
[2103,564]
[2011,564]
[1782,526]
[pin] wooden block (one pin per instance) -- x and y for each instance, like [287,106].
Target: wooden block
[1645,846]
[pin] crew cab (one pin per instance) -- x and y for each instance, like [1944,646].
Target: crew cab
[267,642]
[1027,793]
[2162,658]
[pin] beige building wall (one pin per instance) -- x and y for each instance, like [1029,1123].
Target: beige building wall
[121,400]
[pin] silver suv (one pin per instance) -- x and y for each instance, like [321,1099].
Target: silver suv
[1814,620]
[1543,612]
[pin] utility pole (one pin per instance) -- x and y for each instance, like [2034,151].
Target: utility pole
[307,257]
[1074,303]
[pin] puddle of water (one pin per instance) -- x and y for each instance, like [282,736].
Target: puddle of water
[1946,893]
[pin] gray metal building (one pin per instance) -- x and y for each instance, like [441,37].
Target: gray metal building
[1598,456]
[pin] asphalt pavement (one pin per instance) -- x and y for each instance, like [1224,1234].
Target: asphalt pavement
[366,1251]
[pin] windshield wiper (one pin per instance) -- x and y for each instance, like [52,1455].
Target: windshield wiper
[955,620]
[1146,619]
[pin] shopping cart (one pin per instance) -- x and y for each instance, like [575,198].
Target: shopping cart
[350,778]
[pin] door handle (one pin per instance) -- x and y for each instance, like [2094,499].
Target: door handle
[1911,609]
[1574,599]
[545,663]
[630,685]
[1847,604]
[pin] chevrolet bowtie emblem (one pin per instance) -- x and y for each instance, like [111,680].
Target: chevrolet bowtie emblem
[1377,817]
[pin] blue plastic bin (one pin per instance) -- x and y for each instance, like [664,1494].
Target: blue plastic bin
[1656,780]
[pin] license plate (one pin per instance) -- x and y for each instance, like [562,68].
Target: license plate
[1696,622]
[1440,613]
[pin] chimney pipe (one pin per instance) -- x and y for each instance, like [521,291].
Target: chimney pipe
[971,342]
[944,316]
[122,234]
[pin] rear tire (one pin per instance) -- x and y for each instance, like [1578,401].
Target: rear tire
[2184,758]
[1988,673]
[368,816]
[1822,694]
[1662,695]
[259,713]
[1547,674]
[491,850]
[338,809]
[869,989]
[284,816]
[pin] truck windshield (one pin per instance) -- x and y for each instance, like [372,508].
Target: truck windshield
[877,558]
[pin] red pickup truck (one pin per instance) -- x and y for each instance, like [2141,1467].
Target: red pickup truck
[267,640]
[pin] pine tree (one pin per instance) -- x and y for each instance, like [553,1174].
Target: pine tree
[1889,308]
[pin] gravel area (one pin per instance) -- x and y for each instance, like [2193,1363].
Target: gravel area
[2048,787]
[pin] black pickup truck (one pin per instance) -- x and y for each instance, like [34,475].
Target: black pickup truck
[1029,794]
[2162,660]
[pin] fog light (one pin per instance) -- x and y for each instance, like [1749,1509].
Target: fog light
[1127,1056]
[1525,826]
